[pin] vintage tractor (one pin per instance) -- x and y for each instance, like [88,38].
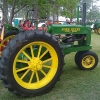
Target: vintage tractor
[96,27]
[33,60]
[7,33]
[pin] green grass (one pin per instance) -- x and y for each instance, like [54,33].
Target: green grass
[74,84]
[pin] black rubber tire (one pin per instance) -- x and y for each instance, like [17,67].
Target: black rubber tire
[76,58]
[13,32]
[8,34]
[10,52]
[90,55]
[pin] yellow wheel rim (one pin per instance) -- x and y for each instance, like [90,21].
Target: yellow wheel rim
[36,70]
[5,42]
[88,61]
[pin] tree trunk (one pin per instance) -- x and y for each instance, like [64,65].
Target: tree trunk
[57,13]
[48,16]
[6,18]
[11,17]
[35,9]
[71,17]
[12,12]
[54,15]
[5,12]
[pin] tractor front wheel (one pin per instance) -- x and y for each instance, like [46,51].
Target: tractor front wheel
[88,60]
[31,64]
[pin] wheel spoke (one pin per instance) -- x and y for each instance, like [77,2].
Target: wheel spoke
[22,61]
[43,54]
[25,74]
[85,62]
[31,77]
[39,51]
[46,66]
[90,59]
[22,69]
[37,76]
[26,55]
[43,72]
[47,60]
[32,51]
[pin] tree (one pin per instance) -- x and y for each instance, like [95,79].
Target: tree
[92,10]
[69,8]
[11,7]
[42,8]
[93,14]
[63,7]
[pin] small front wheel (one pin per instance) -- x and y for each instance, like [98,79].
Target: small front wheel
[88,60]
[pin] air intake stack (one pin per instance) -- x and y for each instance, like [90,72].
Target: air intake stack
[84,14]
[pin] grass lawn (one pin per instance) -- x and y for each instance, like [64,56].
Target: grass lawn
[74,84]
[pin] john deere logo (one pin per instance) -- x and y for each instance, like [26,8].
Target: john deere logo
[72,30]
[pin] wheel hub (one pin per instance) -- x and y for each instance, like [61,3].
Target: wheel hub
[35,64]
[88,60]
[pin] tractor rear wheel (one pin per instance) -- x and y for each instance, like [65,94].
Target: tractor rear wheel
[7,37]
[31,64]
[88,60]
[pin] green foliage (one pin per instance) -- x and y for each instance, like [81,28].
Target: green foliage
[88,3]
[46,7]
[69,8]
[92,10]
[65,8]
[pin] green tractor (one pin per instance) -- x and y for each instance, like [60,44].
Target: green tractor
[33,60]
[8,32]
[96,27]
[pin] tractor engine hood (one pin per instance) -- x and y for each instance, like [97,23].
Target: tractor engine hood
[68,29]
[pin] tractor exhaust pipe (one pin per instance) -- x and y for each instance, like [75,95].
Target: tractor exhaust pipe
[84,14]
